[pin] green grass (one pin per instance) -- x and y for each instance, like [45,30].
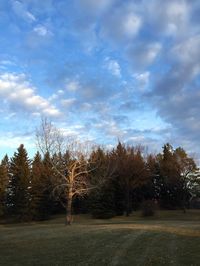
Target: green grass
[170,238]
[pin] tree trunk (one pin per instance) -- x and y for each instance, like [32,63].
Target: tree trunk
[127,201]
[184,200]
[69,207]
[184,204]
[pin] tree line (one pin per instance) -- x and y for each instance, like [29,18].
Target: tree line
[101,182]
[120,180]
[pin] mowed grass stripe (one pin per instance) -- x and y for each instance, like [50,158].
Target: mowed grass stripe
[157,248]
[114,242]
[71,245]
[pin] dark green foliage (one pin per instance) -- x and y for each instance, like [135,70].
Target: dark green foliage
[148,208]
[18,195]
[41,198]
[4,181]
[195,203]
[80,205]
[49,181]
[118,198]
[130,172]
[103,202]
[175,177]
[120,180]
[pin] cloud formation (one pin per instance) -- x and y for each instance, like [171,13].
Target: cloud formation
[113,67]
[16,91]
[110,68]
[20,10]
[122,25]
[143,55]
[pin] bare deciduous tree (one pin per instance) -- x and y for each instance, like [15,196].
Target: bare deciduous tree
[70,161]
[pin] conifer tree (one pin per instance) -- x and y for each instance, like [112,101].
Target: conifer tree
[4,181]
[131,171]
[102,202]
[48,184]
[40,202]
[101,199]
[176,169]
[186,167]
[19,195]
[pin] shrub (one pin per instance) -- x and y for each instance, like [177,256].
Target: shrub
[102,204]
[148,208]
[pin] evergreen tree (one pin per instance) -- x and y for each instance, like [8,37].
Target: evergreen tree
[4,181]
[19,196]
[103,202]
[130,171]
[186,168]
[175,177]
[40,198]
[168,177]
[49,181]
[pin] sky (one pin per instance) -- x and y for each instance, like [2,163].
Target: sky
[101,71]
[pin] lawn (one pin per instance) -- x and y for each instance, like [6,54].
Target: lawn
[170,238]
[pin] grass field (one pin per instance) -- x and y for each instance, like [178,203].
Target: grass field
[170,238]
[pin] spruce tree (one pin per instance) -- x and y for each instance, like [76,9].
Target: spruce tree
[102,202]
[4,181]
[19,195]
[130,172]
[48,185]
[176,170]
[39,202]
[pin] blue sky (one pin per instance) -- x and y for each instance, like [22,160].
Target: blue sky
[101,71]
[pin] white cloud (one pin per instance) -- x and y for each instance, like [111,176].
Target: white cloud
[68,102]
[10,116]
[171,18]
[177,11]
[113,67]
[53,97]
[131,25]
[21,11]
[143,54]
[114,130]
[12,141]
[122,25]
[86,107]
[72,85]
[110,128]
[152,52]
[20,94]
[73,131]
[142,79]
[7,63]
[188,50]
[60,92]
[42,31]
[56,95]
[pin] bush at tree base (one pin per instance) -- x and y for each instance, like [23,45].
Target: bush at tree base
[148,208]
